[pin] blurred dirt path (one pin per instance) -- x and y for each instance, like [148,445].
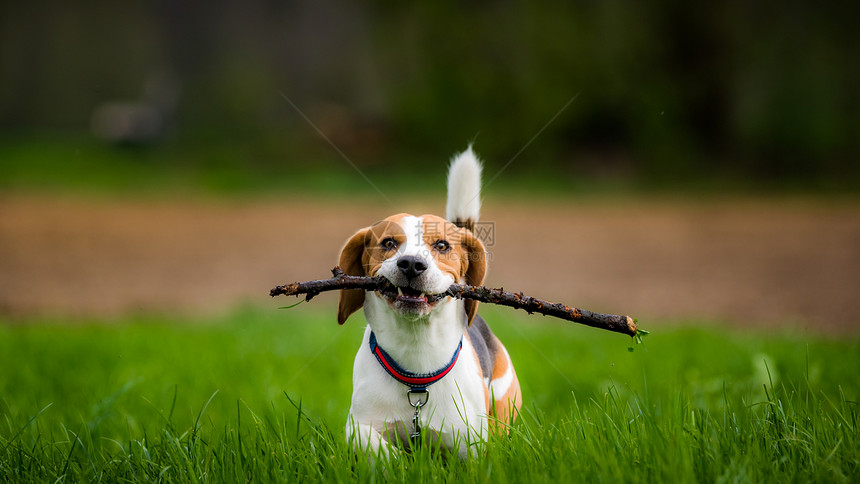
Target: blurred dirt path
[747,262]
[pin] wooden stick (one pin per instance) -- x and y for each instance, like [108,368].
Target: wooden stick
[339,280]
[610,322]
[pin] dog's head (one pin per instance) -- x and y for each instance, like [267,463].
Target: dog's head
[420,256]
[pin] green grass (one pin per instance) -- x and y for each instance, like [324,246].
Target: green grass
[78,164]
[262,395]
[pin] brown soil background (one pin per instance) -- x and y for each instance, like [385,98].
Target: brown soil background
[756,263]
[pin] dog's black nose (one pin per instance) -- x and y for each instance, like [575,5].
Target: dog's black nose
[411,266]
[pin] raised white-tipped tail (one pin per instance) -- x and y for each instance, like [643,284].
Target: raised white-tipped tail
[464,189]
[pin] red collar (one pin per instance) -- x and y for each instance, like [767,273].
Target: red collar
[416,381]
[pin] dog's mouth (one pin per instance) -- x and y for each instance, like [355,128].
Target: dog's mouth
[408,298]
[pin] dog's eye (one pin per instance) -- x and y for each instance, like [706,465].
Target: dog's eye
[442,245]
[388,243]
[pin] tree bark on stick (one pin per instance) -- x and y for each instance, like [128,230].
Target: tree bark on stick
[610,322]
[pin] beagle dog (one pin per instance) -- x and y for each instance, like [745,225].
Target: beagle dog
[428,364]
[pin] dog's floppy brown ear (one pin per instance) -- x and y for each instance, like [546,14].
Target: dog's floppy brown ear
[352,264]
[475,268]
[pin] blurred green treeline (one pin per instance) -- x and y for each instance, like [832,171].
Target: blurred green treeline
[654,92]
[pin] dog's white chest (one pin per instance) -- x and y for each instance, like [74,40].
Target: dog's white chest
[455,408]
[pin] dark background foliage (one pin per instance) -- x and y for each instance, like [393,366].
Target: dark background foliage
[652,92]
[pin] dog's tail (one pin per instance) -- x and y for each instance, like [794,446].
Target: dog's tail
[464,189]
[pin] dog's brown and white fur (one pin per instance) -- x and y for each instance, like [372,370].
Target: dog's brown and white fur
[422,256]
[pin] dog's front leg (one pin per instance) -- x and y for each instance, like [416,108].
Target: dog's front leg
[365,439]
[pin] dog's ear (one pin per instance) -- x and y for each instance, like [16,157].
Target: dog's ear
[351,261]
[474,269]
